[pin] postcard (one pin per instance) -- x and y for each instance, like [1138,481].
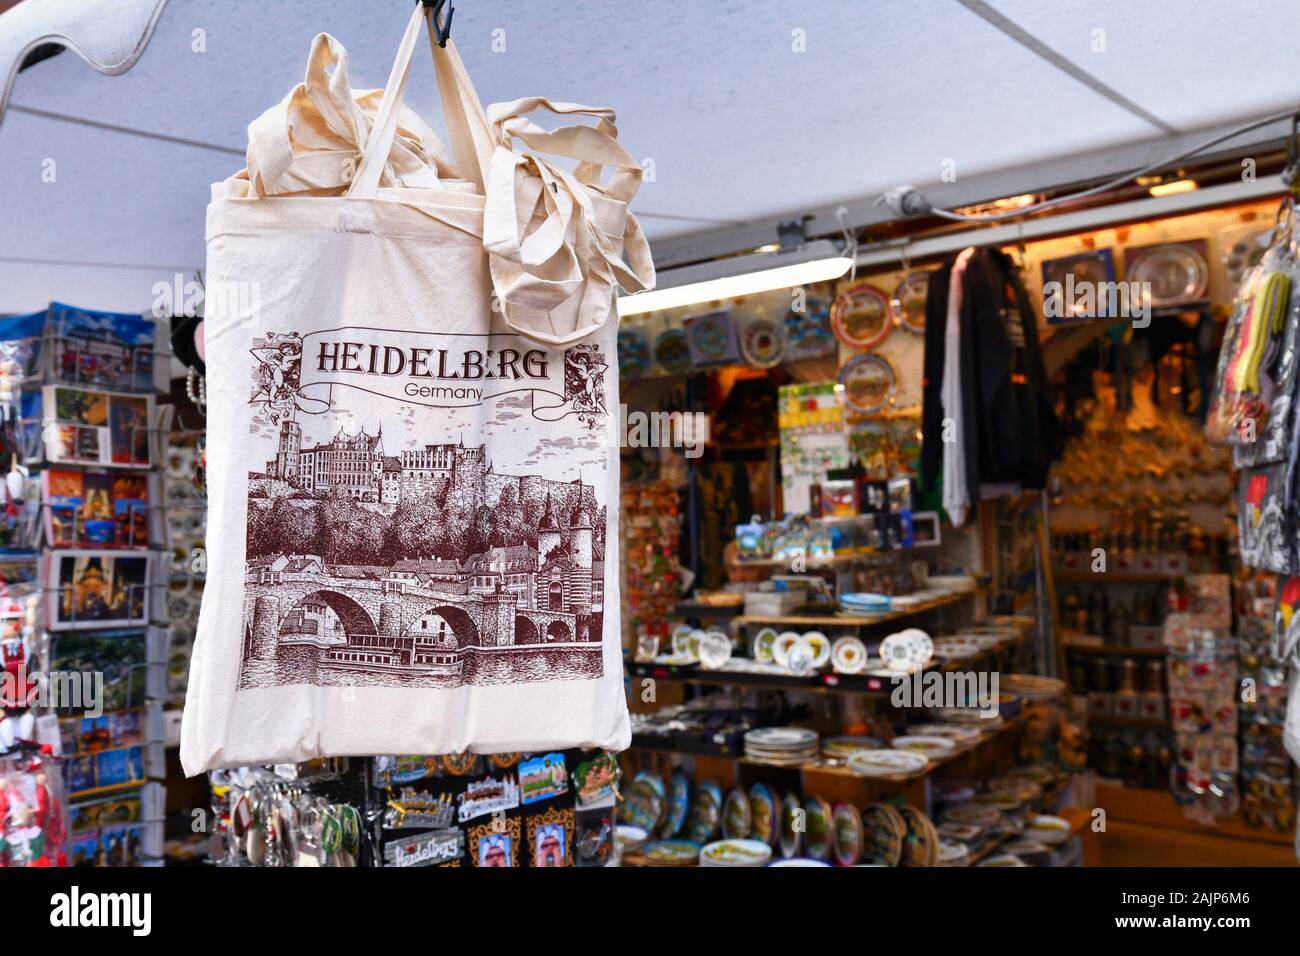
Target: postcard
[95,589]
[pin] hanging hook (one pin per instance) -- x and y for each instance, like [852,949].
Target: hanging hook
[441,31]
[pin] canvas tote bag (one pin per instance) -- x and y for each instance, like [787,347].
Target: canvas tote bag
[413,428]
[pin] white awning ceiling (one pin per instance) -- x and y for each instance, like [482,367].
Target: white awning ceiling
[741,126]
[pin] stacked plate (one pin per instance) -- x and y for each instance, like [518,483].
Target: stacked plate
[864,603]
[842,748]
[1033,687]
[887,763]
[736,853]
[781,745]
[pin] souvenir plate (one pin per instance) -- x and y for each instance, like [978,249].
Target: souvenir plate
[818,828]
[782,645]
[781,738]
[923,744]
[846,826]
[861,317]
[630,839]
[868,383]
[972,815]
[645,802]
[1032,686]
[715,650]
[884,831]
[763,816]
[763,645]
[1047,829]
[848,655]
[887,763]
[737,819]
[672,852]
[921,848]
[712,339]
[671,351]
[789,839]
[909,301]
[1002,860]
[736,853]
[808,333]
[1176,274]
[905,651]
[821,647]
[679,801]
[633,354]
[842,748]
[706,812]
[762,342]
[799,861]
[951,731]
[801,660]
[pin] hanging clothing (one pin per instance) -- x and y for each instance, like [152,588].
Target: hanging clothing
[956,491]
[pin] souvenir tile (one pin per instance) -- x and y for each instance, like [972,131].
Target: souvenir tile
[495,843]
[550,838]
[596,782]
[98,589]
[489,795]
[594,837]
[425,849]
[543,777]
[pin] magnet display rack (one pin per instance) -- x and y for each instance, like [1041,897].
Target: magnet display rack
[88,430]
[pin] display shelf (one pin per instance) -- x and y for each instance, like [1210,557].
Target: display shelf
[840,619]
[1159,808]
[1092,644]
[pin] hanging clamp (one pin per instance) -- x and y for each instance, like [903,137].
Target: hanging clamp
[441,31]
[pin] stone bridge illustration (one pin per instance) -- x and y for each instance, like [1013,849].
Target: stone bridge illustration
[340,622]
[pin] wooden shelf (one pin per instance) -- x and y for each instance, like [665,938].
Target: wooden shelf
[1159,808]
[840,619]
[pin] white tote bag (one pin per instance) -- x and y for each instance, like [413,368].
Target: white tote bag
[413,428]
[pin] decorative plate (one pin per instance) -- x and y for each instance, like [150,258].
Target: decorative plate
[764,641]
[846,826]
[1047,829]
[789,839]
[909,301]
[633,354]
[737,819]
[679,803]
[921,848]
[736,853]
[861,317]
[645,802]
[817,828]
[711,339]
[782,645]
[972,815]
[762,342]
[1176,274]
[848,655]
[844,747]
[706,811]
[902,652]
[802,659]
[715,650]
[762,810]
[887,763]
[808,333]
[671,351]
[782,738]
[922,642]
[630,839]
[951,731]
[884,831]
[868,383]
[672,852]
[821,647]
[799,861]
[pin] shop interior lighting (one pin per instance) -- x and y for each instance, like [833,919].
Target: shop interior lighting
[818,261]
[1173,187]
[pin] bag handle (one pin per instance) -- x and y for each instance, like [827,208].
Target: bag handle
[467,126]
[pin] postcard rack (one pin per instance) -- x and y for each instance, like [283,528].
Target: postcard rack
[86,528]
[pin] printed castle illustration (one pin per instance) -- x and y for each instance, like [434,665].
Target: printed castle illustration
[510,586]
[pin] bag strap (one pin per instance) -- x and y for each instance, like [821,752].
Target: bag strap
[467,126]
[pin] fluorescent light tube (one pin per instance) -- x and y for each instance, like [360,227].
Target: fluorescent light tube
[739,276]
